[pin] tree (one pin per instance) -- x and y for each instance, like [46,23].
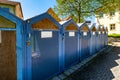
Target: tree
[80,9]
[107,6]
[76,9]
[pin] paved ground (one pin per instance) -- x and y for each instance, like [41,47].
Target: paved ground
[104,67]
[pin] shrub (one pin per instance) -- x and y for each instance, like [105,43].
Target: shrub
[114,35]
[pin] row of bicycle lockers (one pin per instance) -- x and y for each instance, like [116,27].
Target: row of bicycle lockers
[58,46]
[45,47]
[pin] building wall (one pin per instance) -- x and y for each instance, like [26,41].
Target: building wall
[11,8]
[107,20]
[16,10]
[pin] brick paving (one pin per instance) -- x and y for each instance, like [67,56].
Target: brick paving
[104,67]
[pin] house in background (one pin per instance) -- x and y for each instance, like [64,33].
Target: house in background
[13,7]
[111,20]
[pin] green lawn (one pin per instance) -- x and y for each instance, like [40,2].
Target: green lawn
[114,35]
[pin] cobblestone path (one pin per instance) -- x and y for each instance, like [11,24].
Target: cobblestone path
[104,67]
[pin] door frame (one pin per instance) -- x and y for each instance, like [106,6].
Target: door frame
[19,41]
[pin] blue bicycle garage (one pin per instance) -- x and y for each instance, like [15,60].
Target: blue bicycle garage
[70,43]
[103,36]
[45,49]
[93,41]
[84,41]
[106,36]
[99,38]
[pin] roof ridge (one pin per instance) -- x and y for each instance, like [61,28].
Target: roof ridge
[9,2]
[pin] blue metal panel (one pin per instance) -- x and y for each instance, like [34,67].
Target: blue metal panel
[103,40]
[99,42]
[70,44]
[51,50]
[93,44]
[45,56]
[8,29]
[84,41]
[19,41]
[27,52]
[71,49]
[85,46]
[19,49]
[106,39]
[61,49]
[6,9]
[97,46]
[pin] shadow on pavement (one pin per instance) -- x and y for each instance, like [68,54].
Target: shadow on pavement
[103,67]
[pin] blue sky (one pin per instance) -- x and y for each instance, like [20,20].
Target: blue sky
[32,8]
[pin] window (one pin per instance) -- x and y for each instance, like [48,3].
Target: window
[103,32]
[112,13]
[112,26]
[71,34]
[99,32]
[101,15]
[93,33]
[84,33]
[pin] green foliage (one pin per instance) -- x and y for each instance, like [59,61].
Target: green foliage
[80,9]
[107,6]
[77,9]
[114,35]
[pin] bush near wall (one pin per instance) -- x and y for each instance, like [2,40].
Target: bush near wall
[114,35]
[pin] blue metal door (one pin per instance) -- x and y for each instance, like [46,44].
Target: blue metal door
[99,42]
[85,47]
[106,39]
[102,40]
[93,44]
[45,54]
[71,48]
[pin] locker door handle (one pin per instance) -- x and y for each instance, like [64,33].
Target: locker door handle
[28,43]
[62,38]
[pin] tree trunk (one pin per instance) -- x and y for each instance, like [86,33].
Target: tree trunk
[79,17]
[79,13]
